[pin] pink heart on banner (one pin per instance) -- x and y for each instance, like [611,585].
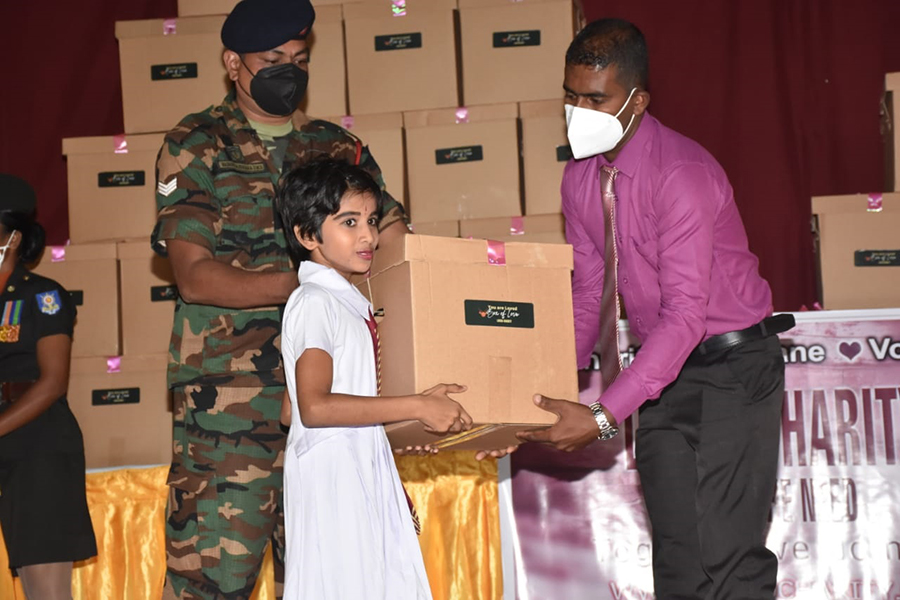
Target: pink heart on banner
[850,349]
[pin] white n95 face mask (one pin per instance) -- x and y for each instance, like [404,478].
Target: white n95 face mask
[5,247]
[593,132]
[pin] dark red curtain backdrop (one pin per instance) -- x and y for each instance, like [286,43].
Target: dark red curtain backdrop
[785,93]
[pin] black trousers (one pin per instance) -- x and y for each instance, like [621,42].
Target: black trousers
[707,455]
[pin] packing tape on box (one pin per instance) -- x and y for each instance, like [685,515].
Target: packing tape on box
[347,122]
[462,115]
[516,226]
[120,144]
[496,252]
[465,436]
[57,253]
[398,8]
[113,364]
[876,203]
[169,27]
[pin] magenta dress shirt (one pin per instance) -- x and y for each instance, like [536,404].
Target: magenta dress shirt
[685,270]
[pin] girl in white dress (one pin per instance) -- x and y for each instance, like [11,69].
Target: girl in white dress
[350,533]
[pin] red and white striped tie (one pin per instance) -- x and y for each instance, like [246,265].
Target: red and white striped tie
[610,360]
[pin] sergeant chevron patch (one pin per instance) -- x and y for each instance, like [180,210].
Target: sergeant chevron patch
[165,189]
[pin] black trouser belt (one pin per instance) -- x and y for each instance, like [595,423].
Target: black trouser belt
[13,390]
[768,326]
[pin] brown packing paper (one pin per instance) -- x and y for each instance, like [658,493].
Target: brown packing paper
[463,170]
[545,152]
[125,416]
[383,134]
[891,112]
[166,76]
[111,194]
[404,62]
[432,291]
[88,272]
[147,294]
[537,229]
[513,51]
[858,250]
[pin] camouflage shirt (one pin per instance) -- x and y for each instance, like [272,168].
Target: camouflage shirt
[216,188]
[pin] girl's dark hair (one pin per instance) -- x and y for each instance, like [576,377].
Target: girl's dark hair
[32,244]
[312,192]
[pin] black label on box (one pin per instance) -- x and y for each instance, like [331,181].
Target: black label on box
[514,39]
[119,396]
[563,153]
[498,313]
[398,41]
[77,297]
[445,156]
[120,178]
[176,71]
[162,293]
[876,258]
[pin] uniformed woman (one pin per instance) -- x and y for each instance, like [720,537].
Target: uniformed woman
[43,508]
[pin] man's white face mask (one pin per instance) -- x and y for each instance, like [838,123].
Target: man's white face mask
[6,246]
[593,132]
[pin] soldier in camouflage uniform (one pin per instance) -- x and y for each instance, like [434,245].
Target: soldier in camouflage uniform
[217,172]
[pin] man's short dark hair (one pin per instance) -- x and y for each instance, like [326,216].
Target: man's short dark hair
[612,42]
[312,192]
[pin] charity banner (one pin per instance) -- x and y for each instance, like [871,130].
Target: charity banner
[580,526]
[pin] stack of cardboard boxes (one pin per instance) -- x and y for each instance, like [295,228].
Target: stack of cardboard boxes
[460,103]
[857,239]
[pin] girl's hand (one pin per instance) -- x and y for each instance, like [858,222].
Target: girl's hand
[441,414]
[415,451]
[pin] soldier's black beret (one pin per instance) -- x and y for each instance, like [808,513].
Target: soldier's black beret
[16,194]
[260,25]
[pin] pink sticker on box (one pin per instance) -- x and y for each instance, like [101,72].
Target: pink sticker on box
[516,226]
[169,27]
[113,364]
[347,122]
[398,8]
[120,144]
[496,252]
[462,115]
[876,203]
[57,253]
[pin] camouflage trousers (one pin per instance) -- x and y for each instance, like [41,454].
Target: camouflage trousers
[225,491]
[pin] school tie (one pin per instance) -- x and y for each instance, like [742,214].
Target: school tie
[376,343]
[610,361]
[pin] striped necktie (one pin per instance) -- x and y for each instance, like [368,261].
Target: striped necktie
[610,360]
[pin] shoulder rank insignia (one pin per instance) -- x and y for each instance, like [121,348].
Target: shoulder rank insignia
[49,302]
[166,189]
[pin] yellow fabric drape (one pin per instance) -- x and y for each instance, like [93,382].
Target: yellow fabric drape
[456,498]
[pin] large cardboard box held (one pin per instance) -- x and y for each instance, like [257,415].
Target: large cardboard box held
[194,8]
[88,272]
[536,229]
[858,250]
[891,133]
[463,163]
[545,152]
[112,186]
[504,330]
[383,134]
[513,51]
[123,408]
[147,294]
[170,68]
[400,58]
[438,228]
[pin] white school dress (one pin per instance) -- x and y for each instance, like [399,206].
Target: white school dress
[348,525]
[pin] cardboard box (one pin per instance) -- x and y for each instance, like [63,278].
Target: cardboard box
[450,316]
[536,229]
[858,250]
[383,134]
[513,51]
[463,163]
[195,8]
[112,186]
[437,228]
[170,68]
[327,92]
[88,272]
[123,408]
[890,131]
[147,295]
[400,59]
[545,152]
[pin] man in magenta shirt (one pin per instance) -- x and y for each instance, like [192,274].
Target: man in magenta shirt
[709,377]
